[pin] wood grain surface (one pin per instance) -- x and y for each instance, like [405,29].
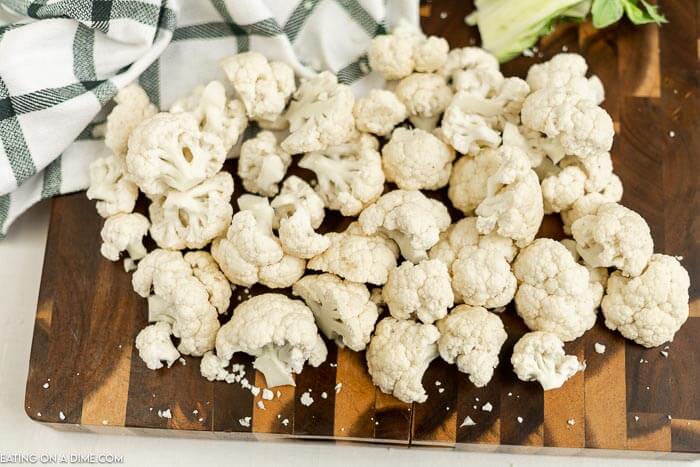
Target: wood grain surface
[84,373]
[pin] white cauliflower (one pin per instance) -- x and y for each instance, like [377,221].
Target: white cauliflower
[205,269]
[422,290]
[566,70]
[417,160]
[554,291]
[193,218]
[349,175]
[590,202]
[408,217]
[343,309]
[251,253]
[398,355]
[539,356]
[482,277]
[320,115]
[357,257]
[561,190]
[155,346]
[614,236]
[296,194]
[279,332]
[468,181]
[513,204]
[598,170]
[470,124]
[472,69]
[262,164]
[114,192]
[133,107]
[472,338]
[576,124]
[406,49]
[426,96]
[379,112]
[124,232]
[598,276]
[298,237]
[169,151]
[650,308]
[214,112]
[264,87]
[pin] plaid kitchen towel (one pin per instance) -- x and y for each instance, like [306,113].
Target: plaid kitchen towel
[61,62]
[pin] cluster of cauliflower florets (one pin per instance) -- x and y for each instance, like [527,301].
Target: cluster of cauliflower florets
[507,151]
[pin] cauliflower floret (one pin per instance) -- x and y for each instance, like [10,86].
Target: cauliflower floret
[469,124]
[651,308]
[177,297]
[554,292]
[483,277]
[155,346]
[124,232]
[320,115]
[417,160]
[426,96]
[468,181]
[539,356]
[397,55]
[193,218]
[577,124]
[513,204]
[214,112]
[296,194]
[349,175]
[264,87]
[251,253]
[262,164]
[408,217]
[207,271]
[133,107]
[599,276]
[473,70]
[398,355]
[597,168]
[298,238]
[590,202]
[472,337]
[566,70]
[343,309]
[379,112]
[279,332]
[357,257]
[614,236]
[114,192]
[422,290]
[169,151]
[562,190]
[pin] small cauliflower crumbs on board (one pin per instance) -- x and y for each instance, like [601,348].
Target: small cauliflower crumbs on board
[245,421]
[61,416]
[338,387]
[467,422]
[599,348]
[324,395]
[165,413]
[285,422]
[306,399]
[571,422]
[487,407]
[261,405]
[268,395]
[520,419]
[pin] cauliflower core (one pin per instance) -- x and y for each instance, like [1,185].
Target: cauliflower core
[409,218]
[472,338]
[262,164]
[650,308]
[343,309]
[398,355]
[279,332]
[422,290]
[539,356]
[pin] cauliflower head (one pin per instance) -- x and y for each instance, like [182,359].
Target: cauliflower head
[379,112]
[472,337]
[398,355]
[262,164]
[169,151]
[539,356]
[279,332]
[133,107]
[124,232]
[423,290]
[554,291]
[614,236]
[417,160]
[408,217]
[468,181]
[297,194]
[193,218]
[155,346]
[349,175]
[114,192]
[343,310]
[650,308]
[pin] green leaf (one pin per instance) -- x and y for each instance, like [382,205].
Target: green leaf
[644,15]
[654,13]
[606,12]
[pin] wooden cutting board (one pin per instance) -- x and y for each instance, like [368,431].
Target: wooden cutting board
[85,375]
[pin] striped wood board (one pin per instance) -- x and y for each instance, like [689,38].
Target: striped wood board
[629,399]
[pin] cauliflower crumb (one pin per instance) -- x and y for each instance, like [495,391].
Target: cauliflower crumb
[245,421]
[261,405]
[520,419]
[161,413]
[487,407]
[61,415]
[599,348]
[306,399]
[285,422]
[467,422]
[324,395]
[267,394]
[338,387]
[571,422]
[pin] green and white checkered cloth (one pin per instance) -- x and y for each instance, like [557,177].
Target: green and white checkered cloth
[63,61]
